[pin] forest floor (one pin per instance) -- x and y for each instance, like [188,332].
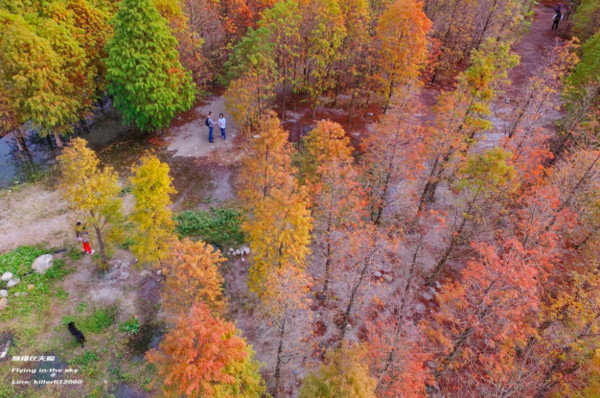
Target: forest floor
[204,176]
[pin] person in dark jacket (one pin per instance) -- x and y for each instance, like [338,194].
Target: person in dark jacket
[557,17]
[211,124]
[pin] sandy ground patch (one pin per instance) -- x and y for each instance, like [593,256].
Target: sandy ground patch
[32,215]
[189,134]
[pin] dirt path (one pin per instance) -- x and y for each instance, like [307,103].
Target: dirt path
[189,135]
[533,49]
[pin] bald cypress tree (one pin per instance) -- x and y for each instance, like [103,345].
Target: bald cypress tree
[145,76]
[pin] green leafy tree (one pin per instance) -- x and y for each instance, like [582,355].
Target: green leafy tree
[586,19]
[247,380]
[324,32]
[35,76]
[345,375]
[151,216]
[143,70]
[463,114]
[92,191]
[588,69]
[253,76]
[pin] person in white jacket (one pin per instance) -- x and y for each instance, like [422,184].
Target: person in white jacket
[222,123]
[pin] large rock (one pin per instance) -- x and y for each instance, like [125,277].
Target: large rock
[3,293]
[6,276]
[3,303]
[12,282]
[42,263]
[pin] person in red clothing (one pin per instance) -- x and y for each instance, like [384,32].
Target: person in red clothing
[86,243]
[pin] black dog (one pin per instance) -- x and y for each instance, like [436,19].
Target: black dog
[77,333]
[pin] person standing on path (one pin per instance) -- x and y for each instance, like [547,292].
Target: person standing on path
[211,124]
[222,124]
[86,243]
[557,17]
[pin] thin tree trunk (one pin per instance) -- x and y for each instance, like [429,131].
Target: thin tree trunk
[100,242]
[283,98]
[380,205]
[453,242]
[328,261]
[277,375]
[363,272]
[22,143]
[403,303]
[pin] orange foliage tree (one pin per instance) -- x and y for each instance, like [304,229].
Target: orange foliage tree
[397,358]
[197,356]
[401,42]
[394,155]
[484,318]
[278,221]
[192,274]
[325,143]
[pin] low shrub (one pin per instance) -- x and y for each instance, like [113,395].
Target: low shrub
[216,226]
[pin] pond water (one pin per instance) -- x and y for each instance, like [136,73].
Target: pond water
[195,180]
[16,166]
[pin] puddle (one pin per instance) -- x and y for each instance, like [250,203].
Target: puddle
[148,298]
[149,336]
[18,166]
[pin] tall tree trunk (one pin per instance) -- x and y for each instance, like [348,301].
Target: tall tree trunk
[403,303]
[363,272]
[351,109]
[277,375]
[283,98]
[380,204]
[328,253]
[455,238]
[100,242]
[21,140]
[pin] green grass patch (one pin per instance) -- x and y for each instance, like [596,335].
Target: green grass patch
[96,322]
[19,263]
[81,306]
[61,293]
[100,319]
[85,360]
[130,327]
[75,253]
[216,226]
